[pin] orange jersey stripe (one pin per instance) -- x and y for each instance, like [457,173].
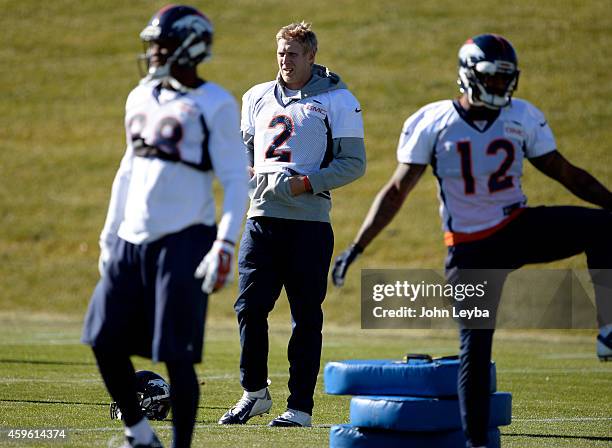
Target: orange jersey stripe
[452,238]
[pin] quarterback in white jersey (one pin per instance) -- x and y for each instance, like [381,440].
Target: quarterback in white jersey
[300,132]
[476,146]
[291,132]
[304,137]
[161,252]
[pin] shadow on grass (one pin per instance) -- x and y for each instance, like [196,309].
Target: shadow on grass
[559,436]
[46,362]
[86,403]
[222,408]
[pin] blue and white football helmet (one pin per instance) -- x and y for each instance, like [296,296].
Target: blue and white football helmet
[488,71]
[181,27]
[153,396]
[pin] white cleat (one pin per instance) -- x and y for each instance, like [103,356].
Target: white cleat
[248,406]
[292,419]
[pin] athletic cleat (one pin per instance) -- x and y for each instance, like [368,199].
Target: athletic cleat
[247,407]
[604,347]
[131,443]
[292,419]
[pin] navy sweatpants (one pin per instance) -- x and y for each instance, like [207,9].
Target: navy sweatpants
[538,235]
[295,254]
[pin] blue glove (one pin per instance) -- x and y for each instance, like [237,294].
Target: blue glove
[342,263]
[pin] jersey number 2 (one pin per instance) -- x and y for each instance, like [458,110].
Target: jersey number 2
[498,180]
[272,152]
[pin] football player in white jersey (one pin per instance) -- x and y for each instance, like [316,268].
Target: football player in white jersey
[160,238]
[476,146]
[304,133]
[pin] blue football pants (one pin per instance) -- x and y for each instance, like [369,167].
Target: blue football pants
[538,235]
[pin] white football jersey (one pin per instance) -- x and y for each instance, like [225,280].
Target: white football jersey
[478,165]
[297,135]
[164,183]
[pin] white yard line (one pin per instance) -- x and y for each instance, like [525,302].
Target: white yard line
[588,355]
[45,380]
[119,428]
[558,371]
[562,419]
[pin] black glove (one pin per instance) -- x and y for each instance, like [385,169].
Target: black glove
[342,263]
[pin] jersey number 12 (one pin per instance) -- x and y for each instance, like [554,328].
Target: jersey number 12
[498,180]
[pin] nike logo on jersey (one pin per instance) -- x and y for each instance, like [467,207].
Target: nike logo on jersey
[543,124]
[357,110]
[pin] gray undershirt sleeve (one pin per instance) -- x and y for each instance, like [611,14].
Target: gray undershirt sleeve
[348,164]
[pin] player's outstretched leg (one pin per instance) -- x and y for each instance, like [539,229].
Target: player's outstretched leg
[599,260]
[557,232]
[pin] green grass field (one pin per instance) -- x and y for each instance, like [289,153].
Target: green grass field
[561,396]
[67,68]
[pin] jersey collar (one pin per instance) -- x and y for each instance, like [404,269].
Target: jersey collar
[283,100]
[480,123]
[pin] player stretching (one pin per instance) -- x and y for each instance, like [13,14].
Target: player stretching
[476,146]
[181,131]
[304,133]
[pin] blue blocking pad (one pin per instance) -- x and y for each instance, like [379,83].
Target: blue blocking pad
[347,436]
[422,414]
[417,377]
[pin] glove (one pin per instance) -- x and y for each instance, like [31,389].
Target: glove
[342,263]
[217,267]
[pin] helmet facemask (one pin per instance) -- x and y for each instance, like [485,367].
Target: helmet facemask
[150,71]
[488,75]
[153,394]
[189,38]
[155,407]
[489,84]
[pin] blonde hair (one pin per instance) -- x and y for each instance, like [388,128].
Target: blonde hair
[300,32]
